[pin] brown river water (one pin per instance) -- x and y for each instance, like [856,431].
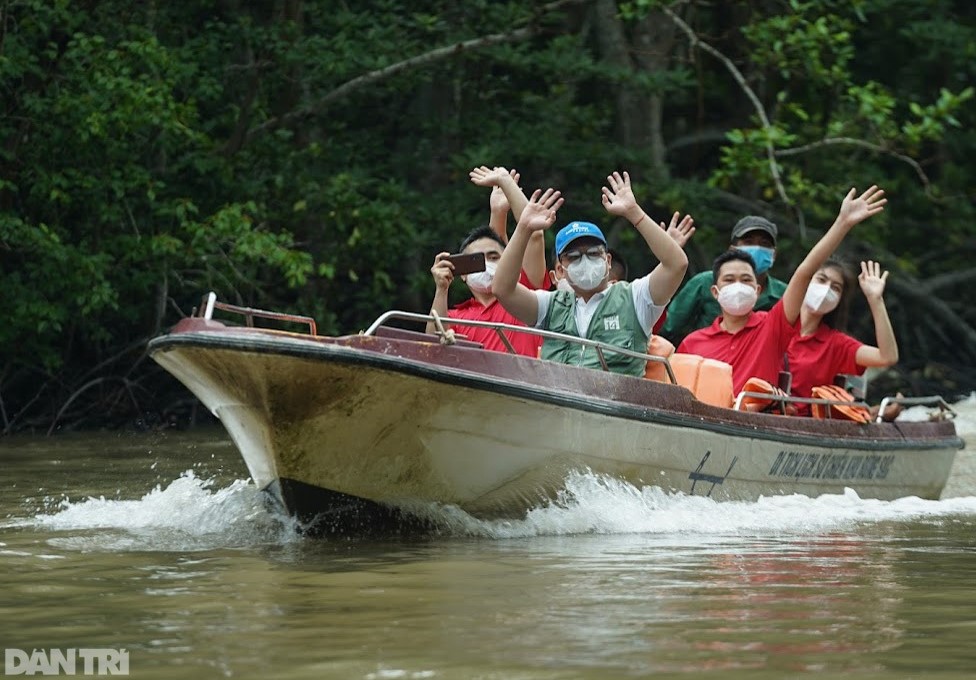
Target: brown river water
[159,548]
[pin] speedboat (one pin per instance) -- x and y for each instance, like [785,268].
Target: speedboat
[343,430]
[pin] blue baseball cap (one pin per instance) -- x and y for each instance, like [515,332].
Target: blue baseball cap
[575,230]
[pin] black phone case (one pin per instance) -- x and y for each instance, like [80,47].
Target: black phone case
[468,263]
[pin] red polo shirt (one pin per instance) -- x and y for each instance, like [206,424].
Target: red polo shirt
[756,351]
[473,310]
[816,358]
[660,322]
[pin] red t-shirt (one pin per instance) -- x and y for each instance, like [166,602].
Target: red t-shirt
[525,344]
[815,359]
[756,351]
[660,322]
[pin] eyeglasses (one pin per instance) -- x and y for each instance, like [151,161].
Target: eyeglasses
[574,256]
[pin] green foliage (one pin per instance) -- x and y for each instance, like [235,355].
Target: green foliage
[103,205]
[288,155]
[825,121]
[805,43]
[933,120]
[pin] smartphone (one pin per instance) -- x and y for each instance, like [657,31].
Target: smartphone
[467,264]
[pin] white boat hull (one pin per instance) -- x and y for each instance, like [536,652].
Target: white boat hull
[397,431]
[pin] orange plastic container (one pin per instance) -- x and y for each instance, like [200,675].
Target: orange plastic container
[710,380]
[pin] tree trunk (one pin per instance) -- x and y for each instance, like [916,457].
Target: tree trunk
[632,120]
[655,41]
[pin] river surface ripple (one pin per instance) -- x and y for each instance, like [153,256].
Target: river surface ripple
[160,545]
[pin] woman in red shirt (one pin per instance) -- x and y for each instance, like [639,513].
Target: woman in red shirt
[821,349]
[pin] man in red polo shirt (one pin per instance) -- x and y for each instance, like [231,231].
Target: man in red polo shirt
[490,240]
[754,343]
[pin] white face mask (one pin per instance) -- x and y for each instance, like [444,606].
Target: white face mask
[737,298]
[481,281]
[821,298]
[587,274]
[563,284]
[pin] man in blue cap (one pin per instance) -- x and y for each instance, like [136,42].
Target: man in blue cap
[621,314]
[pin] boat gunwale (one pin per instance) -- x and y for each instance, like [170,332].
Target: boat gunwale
[709,418]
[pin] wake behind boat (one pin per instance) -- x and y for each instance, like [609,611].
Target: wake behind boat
[340,430]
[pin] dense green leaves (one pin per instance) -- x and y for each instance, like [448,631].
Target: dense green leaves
[313,155]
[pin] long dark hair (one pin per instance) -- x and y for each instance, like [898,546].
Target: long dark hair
[837,318]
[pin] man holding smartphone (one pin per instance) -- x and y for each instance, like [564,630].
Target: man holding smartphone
[490,242]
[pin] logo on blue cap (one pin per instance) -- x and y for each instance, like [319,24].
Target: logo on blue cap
[575,230]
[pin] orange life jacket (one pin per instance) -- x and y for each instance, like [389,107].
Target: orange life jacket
[658,347]
[764,404]
[851,411]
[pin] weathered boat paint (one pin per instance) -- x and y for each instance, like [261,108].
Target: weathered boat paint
[380,423]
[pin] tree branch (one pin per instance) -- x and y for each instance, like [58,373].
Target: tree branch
[9,426]
[757,105]
[933,284]
[707,136]
[3,414]
[84,388]
[851,141]
[239,135]
[425,59]
[935,309]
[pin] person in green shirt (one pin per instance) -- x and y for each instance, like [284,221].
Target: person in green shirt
[695,307]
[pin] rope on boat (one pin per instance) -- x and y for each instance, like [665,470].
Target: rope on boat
[445,334]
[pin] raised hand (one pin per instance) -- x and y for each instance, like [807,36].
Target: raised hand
[540,212]
[498,201]
[681,231]
[619,199]
[855,210]
[484,176]
[442,271]
[872,280]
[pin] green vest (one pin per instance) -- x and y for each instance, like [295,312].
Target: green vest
[615,322]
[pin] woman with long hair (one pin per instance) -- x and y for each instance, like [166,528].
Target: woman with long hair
[822,349]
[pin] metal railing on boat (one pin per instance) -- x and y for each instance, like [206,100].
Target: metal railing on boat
[440,321]
[446,336]
[783,400]
[601,347]
[210,303]
[915,401]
